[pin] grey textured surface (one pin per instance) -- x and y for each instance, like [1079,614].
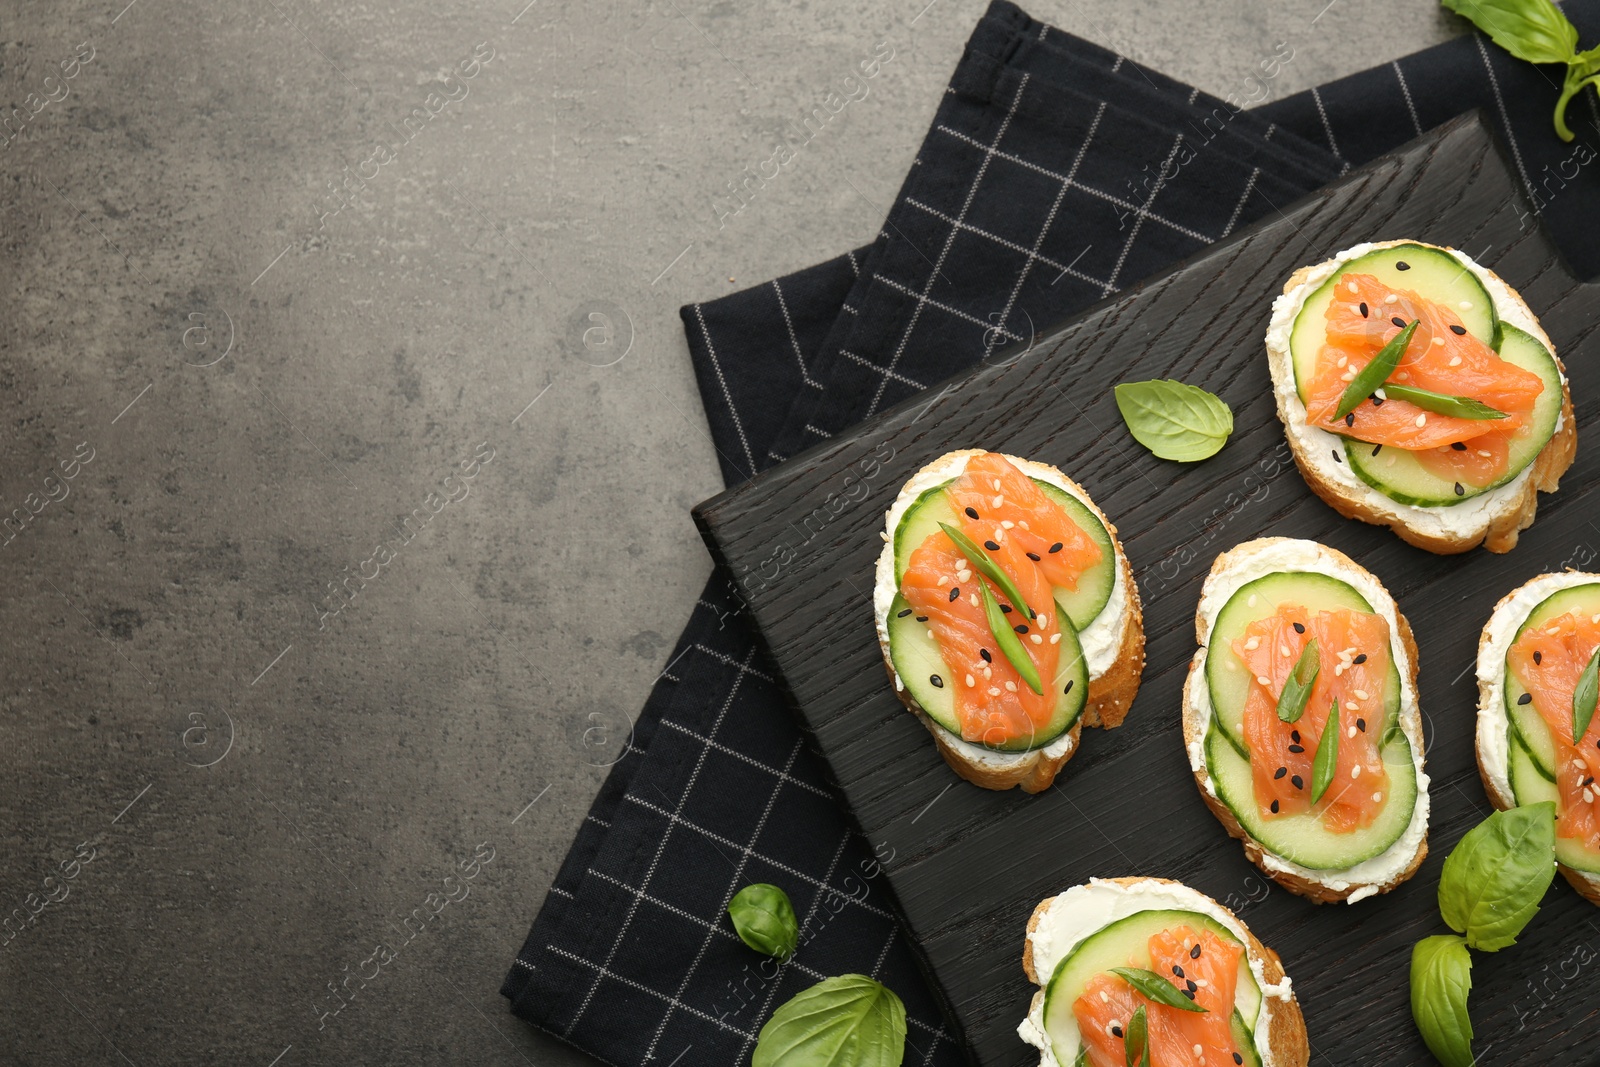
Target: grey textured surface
[272,377]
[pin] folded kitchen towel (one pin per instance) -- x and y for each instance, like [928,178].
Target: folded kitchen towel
[1055,174]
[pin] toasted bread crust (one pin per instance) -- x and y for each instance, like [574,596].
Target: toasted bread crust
[1587,885]
[1194,733]
[1110,694]
[1287,1038]
[1513,515]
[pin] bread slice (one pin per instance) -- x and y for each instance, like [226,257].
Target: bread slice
[1491,741]
[1287,1044]
[1114,666]
[1495,518]
[1270,555]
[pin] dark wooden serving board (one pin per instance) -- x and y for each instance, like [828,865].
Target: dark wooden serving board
[968,864]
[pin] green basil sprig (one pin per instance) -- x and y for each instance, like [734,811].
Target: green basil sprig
[1297,687]
[1006,638]
[988,568]
[1375,373]
[850,1019]
[1327,758]
[1441,978]
[765,920]
[1175,420]
[1155,988]
[1584,697]
[1459,407]
[1536,31]
[1496,875]
[1136,1039]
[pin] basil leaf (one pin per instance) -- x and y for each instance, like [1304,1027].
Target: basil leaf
[1155,988]
[988,568]
[1297,687]
[1534,30]
[850,1020]
[1136,1039]
[1459,407]
[1441,978]
[1582,73]
[1174,420]
[1584,697]
[1375,373]
[1496,875]
[765,920]
[1010,646]
[1326,763]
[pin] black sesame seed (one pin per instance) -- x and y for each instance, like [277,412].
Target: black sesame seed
[1459,446]
[1459,331]
[903,614]
[1294,735]
[1597,744]
[1274,807]
[1376,449]
[1238,1059]
[938,682]
[1363,309]
[1336,458]
[1401,264]
[991,546]
[984,652]
[1056,547]
[1194,953]
[1299,627]
[1192,987]
[1377,402]
[1360,659]
[922,618]
[1525,698]
[1298,782]
[955,594]
[1021,628]
[1034,556]
[1350,419]
[1279,773]
[1005,609]
[972,513]
[1188,993]
[1398,321]
[1297,748]
[1177,970]
[1068,689]
[1361,724]
[1116,1031]
[1538,657]
[1460,491]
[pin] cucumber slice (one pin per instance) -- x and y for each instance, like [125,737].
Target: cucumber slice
[1528,724]
[1083,604]
[1530,786]
[1396,474]
[1303,839]
[1431,272]
[1126,943]
[916,658]
[1226,676]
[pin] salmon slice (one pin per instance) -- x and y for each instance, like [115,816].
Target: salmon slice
[1353,647]
[1033,540]
[1547,661]
[1442,357]
[1177,1038]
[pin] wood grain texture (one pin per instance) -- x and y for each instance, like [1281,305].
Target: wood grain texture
[969,865]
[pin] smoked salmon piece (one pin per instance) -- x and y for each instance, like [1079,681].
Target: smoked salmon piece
[1442,357]
[1177,1038]
[1353,650]
[1547,660]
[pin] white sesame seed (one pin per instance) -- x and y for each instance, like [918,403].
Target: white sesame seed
[1263,679]
[1348,376]
[962,576]
[1104,999]
[974,598]
[996,484]
[1455,361]
[1588,796]
[1251,602]
[1351,732]
[1465,305]
[1000,534]
[1361,694]
[1484,452]
[1440,342]
[1351,705]
[998,501]
[1202,983]
[1339,669]
[1199,1050]
[1391,299]
[1006,524]
[884,534]
[988,673]
[1011,687]
[1552,632]
[1055,639]
[1355,772]
[1252,644]
[1380,394]
[1042,619]
[1036,639]
[1422,419]
[1377,798]
[1403,376]
[1344,360]
[971,681]
[1023,524]
[1283,650]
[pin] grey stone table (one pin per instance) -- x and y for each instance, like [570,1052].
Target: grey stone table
[349,441]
